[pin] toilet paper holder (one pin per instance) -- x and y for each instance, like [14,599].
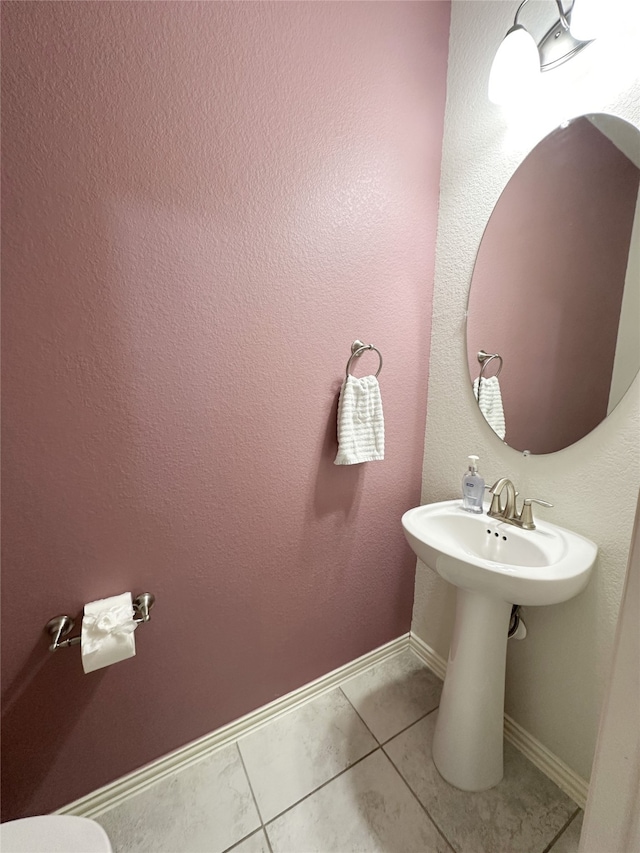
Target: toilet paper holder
[60,626]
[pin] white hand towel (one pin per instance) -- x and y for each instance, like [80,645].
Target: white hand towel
[360,421]
[491,404]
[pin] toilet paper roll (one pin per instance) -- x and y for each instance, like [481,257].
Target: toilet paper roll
[107,632]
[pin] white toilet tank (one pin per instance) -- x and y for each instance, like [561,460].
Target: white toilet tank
[53,834]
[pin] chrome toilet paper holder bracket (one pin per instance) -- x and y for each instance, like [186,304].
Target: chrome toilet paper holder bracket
[60,626]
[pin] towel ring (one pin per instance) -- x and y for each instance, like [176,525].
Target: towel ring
[485,358]
[357,348]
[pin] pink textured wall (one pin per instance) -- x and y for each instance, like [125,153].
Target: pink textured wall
[548,282]
[205,204]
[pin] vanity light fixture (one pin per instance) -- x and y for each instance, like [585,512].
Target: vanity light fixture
[518,62]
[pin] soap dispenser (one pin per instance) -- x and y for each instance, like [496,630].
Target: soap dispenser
[472,487]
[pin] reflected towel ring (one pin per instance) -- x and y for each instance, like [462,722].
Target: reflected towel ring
[485,358]
[357,348]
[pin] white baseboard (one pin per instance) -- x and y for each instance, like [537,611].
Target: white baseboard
[139,780]
[565,778]
[436,664]
[115,793]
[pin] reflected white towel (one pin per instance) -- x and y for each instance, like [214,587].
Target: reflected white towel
[360,421]
[491,404]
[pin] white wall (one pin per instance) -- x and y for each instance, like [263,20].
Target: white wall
[628,347]
[557,676]
[612,815]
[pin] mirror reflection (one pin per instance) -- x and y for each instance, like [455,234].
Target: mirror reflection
[555,291]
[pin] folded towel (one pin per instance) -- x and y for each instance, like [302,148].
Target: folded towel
[491,404]
[360,421]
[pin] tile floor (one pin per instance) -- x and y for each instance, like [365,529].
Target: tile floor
[349,771]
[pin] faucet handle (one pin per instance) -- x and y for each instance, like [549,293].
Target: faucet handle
[495,509]
[526,516]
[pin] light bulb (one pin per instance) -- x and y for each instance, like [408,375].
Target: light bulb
[516,67]
[586,19]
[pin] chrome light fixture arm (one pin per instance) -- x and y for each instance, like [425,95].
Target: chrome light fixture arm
[561,11]
[519,59]
[563,19]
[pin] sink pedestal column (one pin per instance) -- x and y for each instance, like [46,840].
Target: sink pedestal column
[467,743]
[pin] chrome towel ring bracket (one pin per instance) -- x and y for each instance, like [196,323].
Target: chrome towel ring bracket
[485,358]
[357,348]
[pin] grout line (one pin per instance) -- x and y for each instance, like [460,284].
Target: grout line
[420,803]
[267,839]
[389,739]
[359,716]
[246,773]
[564,828]
[244,838]
[255,801]
[315,790]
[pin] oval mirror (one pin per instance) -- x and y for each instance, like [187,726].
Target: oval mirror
[554,303]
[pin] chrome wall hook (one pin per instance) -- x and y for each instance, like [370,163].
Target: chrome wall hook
[60,626]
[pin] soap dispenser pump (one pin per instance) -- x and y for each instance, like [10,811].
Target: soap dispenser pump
[472,487]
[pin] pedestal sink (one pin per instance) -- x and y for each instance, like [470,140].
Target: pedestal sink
[493,565]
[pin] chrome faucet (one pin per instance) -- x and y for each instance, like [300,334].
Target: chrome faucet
[496,510]
[509,512]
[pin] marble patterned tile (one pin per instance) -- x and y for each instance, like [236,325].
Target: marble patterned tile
[256,843]
[393,694]
[368,809]
[569,841]
[296,753]
[204,808]
[522,814]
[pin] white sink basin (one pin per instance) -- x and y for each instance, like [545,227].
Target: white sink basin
[532,567]
[493,565]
